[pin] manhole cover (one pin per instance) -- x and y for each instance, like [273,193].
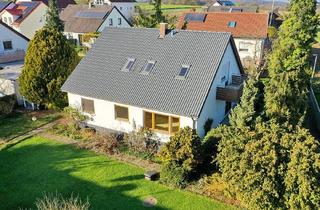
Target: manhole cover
[149,201]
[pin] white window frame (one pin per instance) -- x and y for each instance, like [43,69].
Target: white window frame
[244,46]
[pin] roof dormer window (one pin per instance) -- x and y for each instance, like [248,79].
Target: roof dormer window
[148,67]
[129,64]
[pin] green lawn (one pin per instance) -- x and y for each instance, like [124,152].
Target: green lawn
[39,165]
[20,123]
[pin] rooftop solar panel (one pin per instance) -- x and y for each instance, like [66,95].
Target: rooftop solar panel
[83,14]
[195,17]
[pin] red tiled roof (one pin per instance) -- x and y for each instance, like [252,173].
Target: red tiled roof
[248,25]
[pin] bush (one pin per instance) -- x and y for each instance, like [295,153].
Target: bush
[104,143]
[69,130]
[57,202]
[207,126]
[184,148]
[181,156]
[6,104]
[210,149]
[172,174]
[213,186]
[142,141]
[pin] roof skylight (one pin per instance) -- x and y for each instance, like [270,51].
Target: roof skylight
[129,64]
[148,67]
[183,72]
[232,24]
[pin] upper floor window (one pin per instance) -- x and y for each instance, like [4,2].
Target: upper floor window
[244,46]
[87,105]
[99,2]
[119,21]
[7,45]
[110,22]
[5,20]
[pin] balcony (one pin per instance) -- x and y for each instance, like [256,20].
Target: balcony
[12,56]
[231,92]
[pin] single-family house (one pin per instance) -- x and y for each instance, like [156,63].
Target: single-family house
[126,7]
[82,19]
[13,45]
[158,79]
[250,31]
[25,17]
[61,4]
[223,3]
[212,8]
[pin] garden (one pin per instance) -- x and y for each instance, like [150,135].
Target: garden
[39,167]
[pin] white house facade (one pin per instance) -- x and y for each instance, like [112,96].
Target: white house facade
[13,45]
[143,91]
[25,17]
[126,7]
[250,50]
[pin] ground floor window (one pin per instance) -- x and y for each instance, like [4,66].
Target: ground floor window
[162,123]
[87,105]
[121,113]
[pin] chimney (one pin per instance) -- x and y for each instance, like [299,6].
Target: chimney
[163,30]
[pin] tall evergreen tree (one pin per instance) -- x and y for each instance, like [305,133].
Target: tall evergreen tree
[250,106]
[286,94]
[53,21]
[49,61]
[158,16]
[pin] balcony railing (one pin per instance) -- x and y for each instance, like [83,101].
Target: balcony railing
[12,56]
[231,92]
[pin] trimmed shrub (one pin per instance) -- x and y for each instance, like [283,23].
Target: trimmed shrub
[57,202]
[7,104]
[181,156]
[104,143]
[173,175]
[142,141]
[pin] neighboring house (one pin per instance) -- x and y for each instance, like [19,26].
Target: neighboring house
[13,45]
[4,4]
[61,4]
[224,3]
[158,79]
[250,31]
[211,8]
[82,19]
[126,7]
[25,17]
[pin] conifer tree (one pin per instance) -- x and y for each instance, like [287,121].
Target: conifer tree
[286,94]
[49,61]
[250,106]
[53,21]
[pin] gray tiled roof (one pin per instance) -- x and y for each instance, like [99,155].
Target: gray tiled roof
[99,74]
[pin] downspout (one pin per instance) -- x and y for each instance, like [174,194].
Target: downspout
[194,122]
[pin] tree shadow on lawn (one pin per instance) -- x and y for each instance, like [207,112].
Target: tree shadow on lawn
[29,170]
